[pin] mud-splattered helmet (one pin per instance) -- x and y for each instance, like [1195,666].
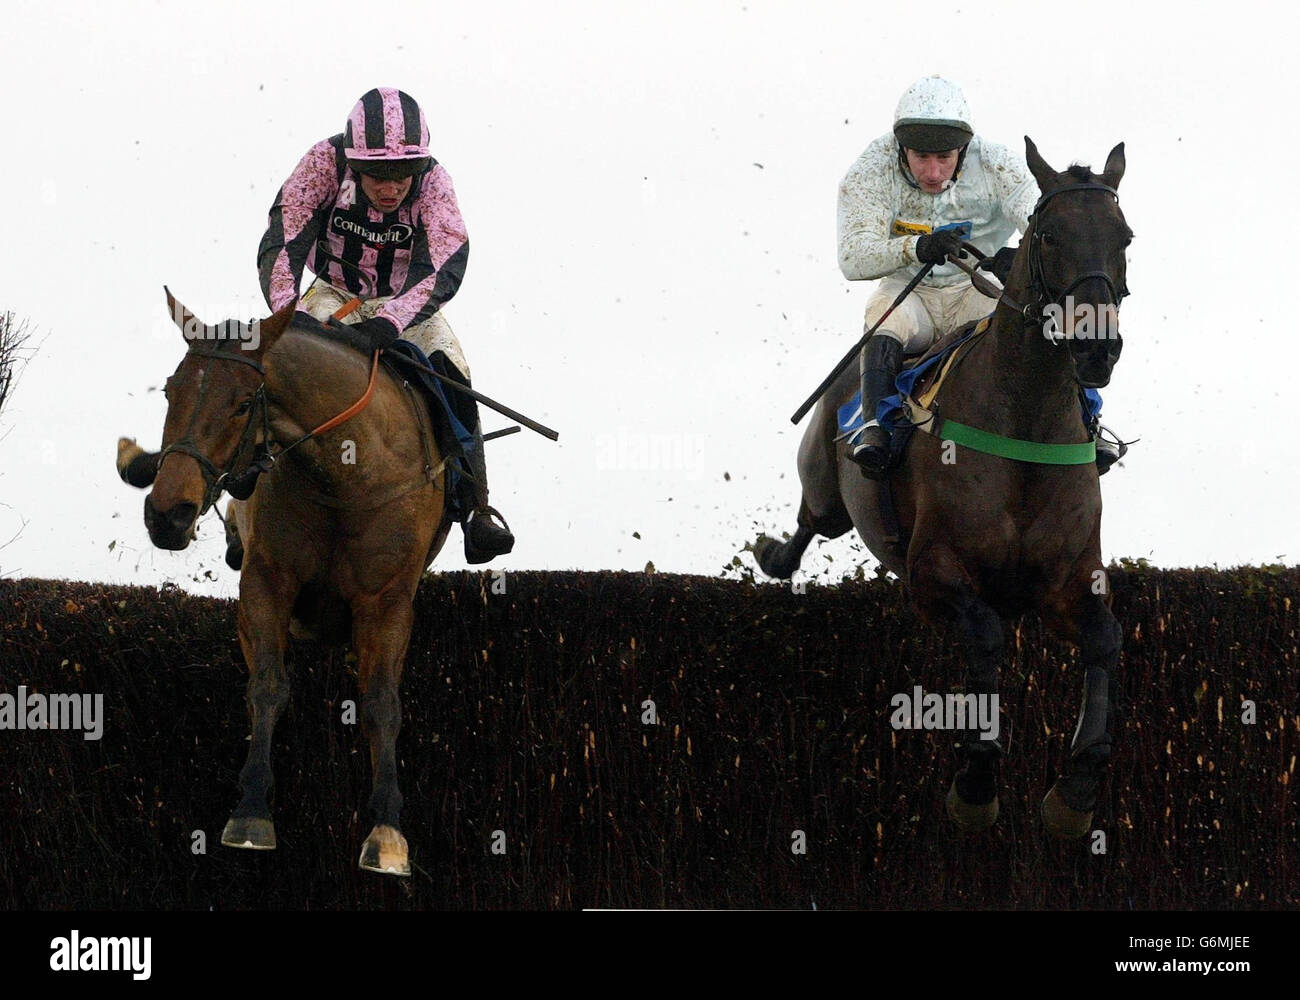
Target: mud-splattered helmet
[386,135]
[933,117]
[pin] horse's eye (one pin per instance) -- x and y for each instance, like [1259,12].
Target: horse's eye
[1047,238]
[244,407]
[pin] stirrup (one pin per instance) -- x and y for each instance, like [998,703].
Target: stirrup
[1110,449]
[872,459]
[499,541]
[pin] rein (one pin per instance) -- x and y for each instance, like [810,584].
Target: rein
[347,414]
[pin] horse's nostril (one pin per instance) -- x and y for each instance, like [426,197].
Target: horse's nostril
[178,518]
[182,515]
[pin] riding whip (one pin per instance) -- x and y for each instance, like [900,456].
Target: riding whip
[854,351]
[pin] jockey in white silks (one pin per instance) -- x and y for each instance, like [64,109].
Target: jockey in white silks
[910,200]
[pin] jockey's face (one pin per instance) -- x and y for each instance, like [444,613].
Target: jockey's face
[932,170]
[385,195]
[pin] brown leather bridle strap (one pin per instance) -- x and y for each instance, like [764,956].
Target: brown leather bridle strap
[205,352]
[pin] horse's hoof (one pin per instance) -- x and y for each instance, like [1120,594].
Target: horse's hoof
[763,553]
[1062,821]
[127,452]
[385,852]
[971,818]
[767,553]
[249,832]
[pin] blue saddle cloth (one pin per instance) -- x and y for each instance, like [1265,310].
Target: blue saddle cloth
[889,411]
[449,415]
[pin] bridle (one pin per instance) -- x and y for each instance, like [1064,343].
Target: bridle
[241,485]
[1038,302]
[215,480]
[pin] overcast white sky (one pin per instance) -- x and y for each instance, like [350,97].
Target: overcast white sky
[650,192]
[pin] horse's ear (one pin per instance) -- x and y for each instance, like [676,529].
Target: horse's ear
[1114,167]
[269,329]
[1044,174]
[191,326]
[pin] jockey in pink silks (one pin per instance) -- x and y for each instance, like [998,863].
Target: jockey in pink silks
[374,216]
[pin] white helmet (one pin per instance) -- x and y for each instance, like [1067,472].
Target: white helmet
[932,117]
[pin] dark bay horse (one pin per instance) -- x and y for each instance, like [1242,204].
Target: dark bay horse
[985,537]
[338,531]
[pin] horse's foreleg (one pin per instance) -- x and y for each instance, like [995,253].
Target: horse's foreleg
[1068,807]
[944,592]
[381,633]
[265,601]
[235,513]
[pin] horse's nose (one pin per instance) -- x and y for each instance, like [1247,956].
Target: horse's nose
[169,529]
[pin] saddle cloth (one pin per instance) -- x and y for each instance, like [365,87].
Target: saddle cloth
[913,380]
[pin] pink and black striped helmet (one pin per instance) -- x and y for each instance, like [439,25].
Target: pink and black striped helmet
[387,135]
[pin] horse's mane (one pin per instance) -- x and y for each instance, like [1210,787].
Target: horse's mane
[1080,172]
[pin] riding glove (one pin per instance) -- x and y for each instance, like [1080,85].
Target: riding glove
[999,265]
[934,248]
[381,332]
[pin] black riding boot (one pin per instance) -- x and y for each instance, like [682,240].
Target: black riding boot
[484,538]
[882,360]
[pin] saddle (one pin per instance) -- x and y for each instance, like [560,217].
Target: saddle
[920,379]
[921,375]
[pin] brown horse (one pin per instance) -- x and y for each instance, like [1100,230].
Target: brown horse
[985,537]
[341,526]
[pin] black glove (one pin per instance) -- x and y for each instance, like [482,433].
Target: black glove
[934,248]
[380,331]
[999,265]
